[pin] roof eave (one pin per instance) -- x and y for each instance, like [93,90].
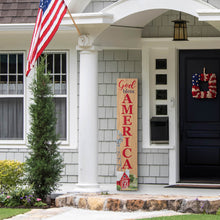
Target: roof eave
[89,18]
[67,24]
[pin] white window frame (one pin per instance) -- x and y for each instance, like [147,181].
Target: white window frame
[71,142]
[21,141]
[67,141]
[150,52]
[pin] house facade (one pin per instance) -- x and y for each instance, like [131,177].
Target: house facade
[120,39]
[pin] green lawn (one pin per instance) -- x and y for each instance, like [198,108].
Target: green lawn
[7,213]
[187,217]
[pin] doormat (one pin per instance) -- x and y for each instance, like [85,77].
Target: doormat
[194,186]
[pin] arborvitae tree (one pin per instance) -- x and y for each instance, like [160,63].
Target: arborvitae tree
[45,164]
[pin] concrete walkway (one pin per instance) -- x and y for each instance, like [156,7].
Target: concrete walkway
[150,191]
[67,213]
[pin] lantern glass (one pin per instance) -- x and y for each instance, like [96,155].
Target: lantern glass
[180,30]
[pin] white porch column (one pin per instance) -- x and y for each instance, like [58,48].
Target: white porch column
[88,122]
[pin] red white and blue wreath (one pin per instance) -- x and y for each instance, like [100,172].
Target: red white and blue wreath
[211,79]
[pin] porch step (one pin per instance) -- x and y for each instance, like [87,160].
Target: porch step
[125,202]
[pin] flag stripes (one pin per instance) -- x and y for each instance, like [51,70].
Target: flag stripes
[50,30]
[50,15]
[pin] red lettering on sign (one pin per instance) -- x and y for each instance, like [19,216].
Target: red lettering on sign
[126,131]
[127,120]
[127,128]
[126,142]
[127,165]
[125,154]
[127,98]
[126,110]
[123,85]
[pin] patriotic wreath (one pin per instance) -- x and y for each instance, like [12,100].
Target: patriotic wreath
[211,79]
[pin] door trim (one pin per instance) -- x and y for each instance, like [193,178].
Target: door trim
[174,46]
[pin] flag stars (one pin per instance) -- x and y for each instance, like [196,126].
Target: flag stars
[44,4]
[41,4]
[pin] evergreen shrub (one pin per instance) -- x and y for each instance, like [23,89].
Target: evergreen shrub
[44,165]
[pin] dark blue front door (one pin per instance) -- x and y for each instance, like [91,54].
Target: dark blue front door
[199,118]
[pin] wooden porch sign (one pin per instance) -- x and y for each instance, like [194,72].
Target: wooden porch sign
[127,126]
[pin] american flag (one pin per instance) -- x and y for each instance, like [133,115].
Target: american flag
[49,17]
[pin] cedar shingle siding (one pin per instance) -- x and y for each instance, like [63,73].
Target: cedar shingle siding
[18,11]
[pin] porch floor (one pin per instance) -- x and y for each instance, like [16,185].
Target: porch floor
[150,189]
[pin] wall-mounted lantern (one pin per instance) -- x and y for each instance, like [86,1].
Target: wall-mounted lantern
[180,30]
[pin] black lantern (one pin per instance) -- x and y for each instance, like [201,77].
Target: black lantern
[180,30]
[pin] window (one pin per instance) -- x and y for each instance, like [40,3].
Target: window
[161,109]
[11,96]
[159,122]
[161,94]
[160,88]
[56,65]
[161,64]
[161,79]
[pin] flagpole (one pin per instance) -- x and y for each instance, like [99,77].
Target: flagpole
[78,31]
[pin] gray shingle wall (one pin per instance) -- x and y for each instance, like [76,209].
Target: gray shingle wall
[162,26]
[69,174]
[13,154]
[70,171]
[153,164]
[98,5]
[113,64]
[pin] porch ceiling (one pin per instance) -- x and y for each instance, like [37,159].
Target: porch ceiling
[131,16]
[140,19]
[139,12]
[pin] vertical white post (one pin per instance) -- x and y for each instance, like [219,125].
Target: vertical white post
[88,122]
